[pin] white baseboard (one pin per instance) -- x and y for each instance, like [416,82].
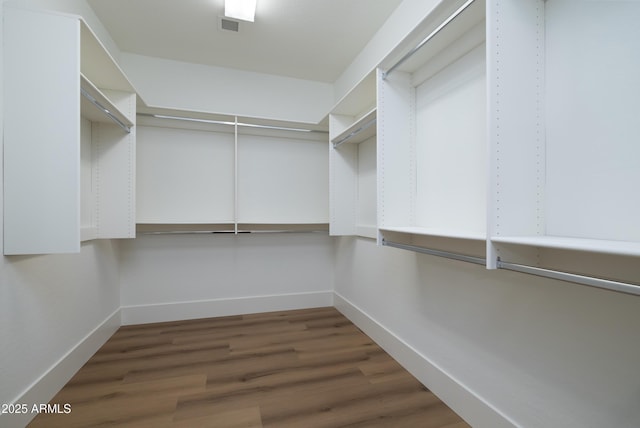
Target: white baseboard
[175,311]
[48,385]
[477,412]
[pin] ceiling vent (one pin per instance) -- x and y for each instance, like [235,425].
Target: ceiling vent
[226,24]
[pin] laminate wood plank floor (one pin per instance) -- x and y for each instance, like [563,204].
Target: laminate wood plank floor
[305,369]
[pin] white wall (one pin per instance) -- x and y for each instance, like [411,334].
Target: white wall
[202,88]
[52,307]
[542,353]
[168,277]
[49,305]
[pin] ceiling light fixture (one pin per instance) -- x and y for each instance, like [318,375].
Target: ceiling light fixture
[244,10]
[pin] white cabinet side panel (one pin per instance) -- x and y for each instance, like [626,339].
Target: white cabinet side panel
[515,77]
[516,82]
[184,176]
[282,180]
[115,164]
[366,206]
[41,133]
[87,182]
[343,190]
[592,114]
[396,169]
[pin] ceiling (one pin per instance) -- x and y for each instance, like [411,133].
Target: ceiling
[305,39]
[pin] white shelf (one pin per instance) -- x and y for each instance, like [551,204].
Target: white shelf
[180,223]
[361,130]
[432,163]
[228,227]
[68,176]
[101,109]
[442,233]
[359,99]
[353,164]
[98,65]
[283,227]
[562,132]
[624,248]
[184,227]
[444,46]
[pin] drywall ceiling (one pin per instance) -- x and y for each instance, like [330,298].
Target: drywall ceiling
[305,39]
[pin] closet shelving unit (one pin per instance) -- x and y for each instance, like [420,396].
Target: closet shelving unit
[563,159]
[69,138]
[565,163]
[352,158]
[108,103]
[203,173]
[432,135]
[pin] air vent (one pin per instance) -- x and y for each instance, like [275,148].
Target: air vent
[227,24]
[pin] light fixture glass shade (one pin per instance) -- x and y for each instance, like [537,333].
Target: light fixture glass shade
[244,10]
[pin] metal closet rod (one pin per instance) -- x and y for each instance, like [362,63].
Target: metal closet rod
[354,133]
[432,252]
[590,281]
[570,277]
[426,40]
[223,122]
[106,111]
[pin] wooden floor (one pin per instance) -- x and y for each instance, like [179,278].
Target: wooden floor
[304,369]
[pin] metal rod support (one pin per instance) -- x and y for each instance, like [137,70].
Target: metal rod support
[438,253]
[570,277]
[428,38]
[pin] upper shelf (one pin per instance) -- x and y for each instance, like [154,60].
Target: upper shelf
[190,119]
[98,66]
[360,98]
[455,27]
[624,248]
[361,130]
[100,77]
[96,107]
